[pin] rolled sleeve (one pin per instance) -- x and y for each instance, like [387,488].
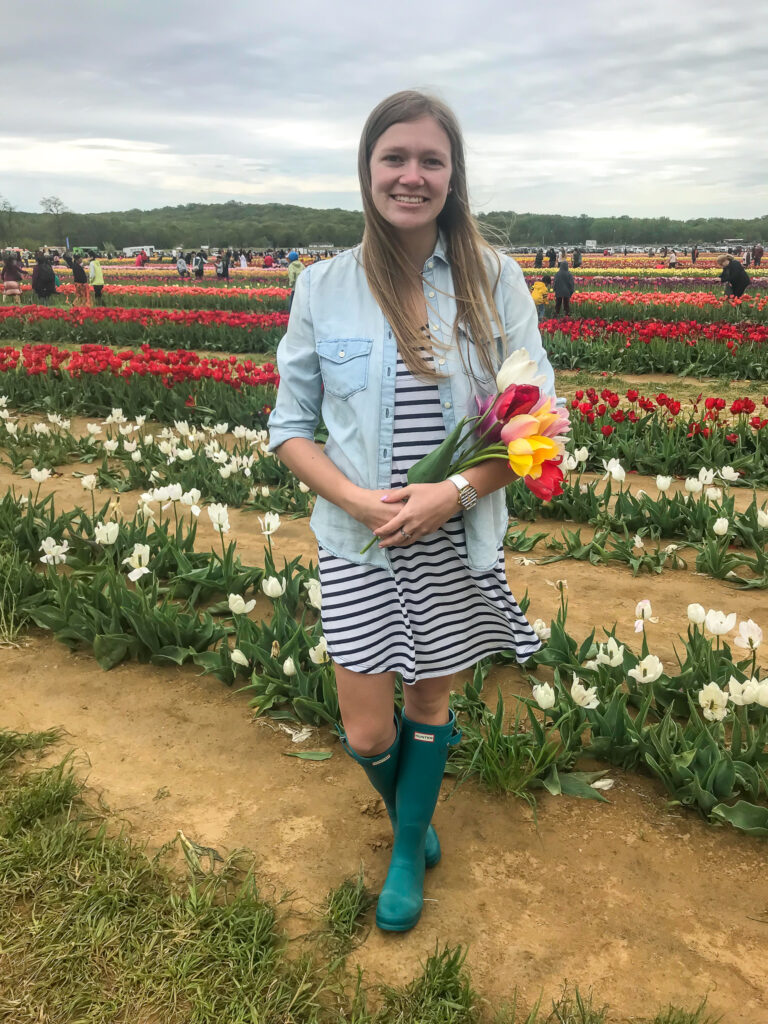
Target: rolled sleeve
[521,322]
[299,394]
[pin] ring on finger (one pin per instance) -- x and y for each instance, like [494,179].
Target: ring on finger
[406,536]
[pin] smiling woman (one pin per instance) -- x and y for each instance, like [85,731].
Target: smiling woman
[393,343]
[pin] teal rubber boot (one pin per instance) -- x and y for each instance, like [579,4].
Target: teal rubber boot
[423,753]
[382,774]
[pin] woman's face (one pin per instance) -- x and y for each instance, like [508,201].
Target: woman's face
[410,173]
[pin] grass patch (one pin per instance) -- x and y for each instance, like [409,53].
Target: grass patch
[344,910]
[682,388]
[93,930]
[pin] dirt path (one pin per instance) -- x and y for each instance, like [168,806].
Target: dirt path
[646,905]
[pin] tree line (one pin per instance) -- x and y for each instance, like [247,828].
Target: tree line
[277,225]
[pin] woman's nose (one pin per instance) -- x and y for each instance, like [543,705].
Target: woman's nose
[411,173]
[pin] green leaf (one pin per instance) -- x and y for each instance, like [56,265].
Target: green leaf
[434,468]
[110,650]
[178,655]
[578,784]
[309,755]
[749,818]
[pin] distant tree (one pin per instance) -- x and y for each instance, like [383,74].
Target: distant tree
[7,211]
[56,208]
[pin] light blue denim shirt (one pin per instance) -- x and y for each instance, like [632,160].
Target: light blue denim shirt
[338,360]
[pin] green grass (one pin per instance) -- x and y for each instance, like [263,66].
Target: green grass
[92,931]
[344,910]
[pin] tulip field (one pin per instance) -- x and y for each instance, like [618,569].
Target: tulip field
[608,805]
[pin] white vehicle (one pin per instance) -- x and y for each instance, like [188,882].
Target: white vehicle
[134,250]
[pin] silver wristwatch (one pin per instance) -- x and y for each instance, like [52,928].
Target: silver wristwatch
[467,493]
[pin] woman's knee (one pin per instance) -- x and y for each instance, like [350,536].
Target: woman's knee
[369,737]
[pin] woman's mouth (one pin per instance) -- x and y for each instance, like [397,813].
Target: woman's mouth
[409,200]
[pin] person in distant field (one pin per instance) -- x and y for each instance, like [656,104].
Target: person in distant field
[540,294]
[757,254]
[563,286]
[538,259]
[226,259]
[734,276]
[43,278]
[82,291]
[243,261]
[269,260]
[551,256]
[295,267]
[11,276]
[747,256]
[672,262]
[576,257]
[96,279]
[198,265]
[694,255]
[182,267]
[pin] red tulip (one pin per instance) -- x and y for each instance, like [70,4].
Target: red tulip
[550,483]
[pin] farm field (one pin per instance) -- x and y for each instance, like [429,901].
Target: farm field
[160,604]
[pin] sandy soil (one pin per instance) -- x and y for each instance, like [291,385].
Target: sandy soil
[645,904]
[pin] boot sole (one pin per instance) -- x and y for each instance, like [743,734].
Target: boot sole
[398,926]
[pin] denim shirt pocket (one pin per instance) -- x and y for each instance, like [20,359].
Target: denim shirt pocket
[344,364]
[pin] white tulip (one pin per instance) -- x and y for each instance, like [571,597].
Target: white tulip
[130,446]
[314,593]
[743,694]
[12,428]
[706,476]
[239,658]
[174,492]
[718,623]
[116,416]
[713,702]
[41,429]
[273,586]
[643,609]
[541,629]
[191,497]
[693,485]
[518,368]
[762,519]
[220,428]
[602,784]
[136,457]
[663,483]
[303,487]
[729,474]
[106,533]
[40,475]
[637,542]
[138,560]
[110,446]
[648,670]
[238,606]
[140,421]
[219,516]
[714,494]
[289,668]
[570,462]
[54,553]
[762,693]
[585,697]
[182,427]
[93,428]
[610,653]
[225,472]
[614,470]
[544,696]
[185,454]
[750,636]
[264,492]
[318,655]
[720,526]
[270,523]
[582,454]
[696,614]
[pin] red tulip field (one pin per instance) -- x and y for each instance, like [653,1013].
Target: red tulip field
[607,808]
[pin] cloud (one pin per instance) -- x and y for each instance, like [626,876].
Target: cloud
[594,107]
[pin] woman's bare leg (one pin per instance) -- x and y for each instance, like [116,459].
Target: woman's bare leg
[367,705]
[427,700]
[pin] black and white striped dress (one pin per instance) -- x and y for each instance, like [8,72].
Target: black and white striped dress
[435,615]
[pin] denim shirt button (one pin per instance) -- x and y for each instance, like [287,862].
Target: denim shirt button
[447,405]
[431,295]
[433,327]
[342,354]
[430,264]
[441,361]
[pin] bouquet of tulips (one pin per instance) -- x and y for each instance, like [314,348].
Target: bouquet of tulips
[518,424]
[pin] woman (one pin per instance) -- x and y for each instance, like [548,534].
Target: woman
[80,278]
[11,276]
[563,286]
[392,342]
[96,279]
[734,276]
[43,278]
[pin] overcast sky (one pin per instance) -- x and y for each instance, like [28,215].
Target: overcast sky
[591,106]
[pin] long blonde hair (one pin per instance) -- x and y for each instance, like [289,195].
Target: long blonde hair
[387,267]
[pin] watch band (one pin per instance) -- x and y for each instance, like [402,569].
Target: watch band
[467,497]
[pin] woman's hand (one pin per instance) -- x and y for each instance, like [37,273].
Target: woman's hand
[369,507]
[422,509]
